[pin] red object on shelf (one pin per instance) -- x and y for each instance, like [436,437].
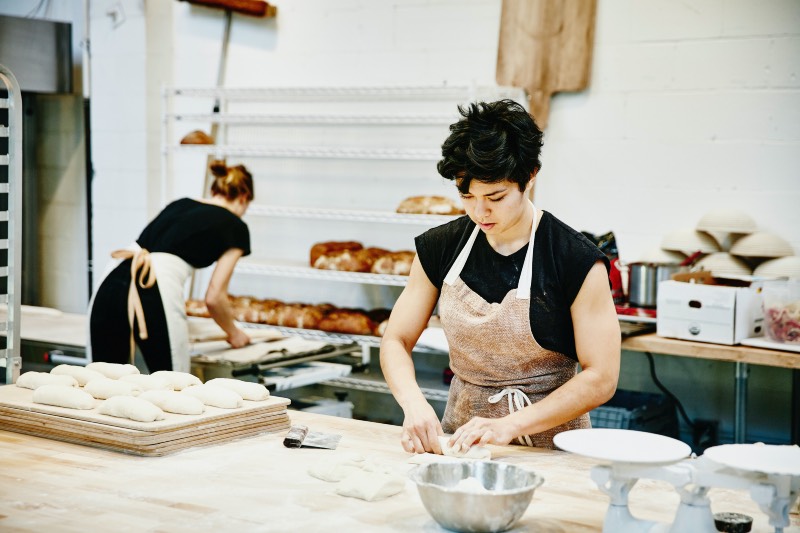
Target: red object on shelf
[627,310]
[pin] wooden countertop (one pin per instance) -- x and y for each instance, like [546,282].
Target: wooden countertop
[256,484]
[704,350]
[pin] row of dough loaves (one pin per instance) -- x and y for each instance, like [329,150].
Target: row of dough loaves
[325,317]
[129,394]
[351,256]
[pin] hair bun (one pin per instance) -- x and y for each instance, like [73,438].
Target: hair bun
[219,168]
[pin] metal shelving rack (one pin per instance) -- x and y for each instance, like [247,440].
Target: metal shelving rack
[247,108]
[10,356]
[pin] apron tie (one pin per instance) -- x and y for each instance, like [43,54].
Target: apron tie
[140,259]
[517,400]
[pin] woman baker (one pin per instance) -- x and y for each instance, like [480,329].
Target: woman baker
[523,300]
[142,299]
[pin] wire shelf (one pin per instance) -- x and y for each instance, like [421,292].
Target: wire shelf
[336,119]
[305,272]
[350,215]
[318,335]
[310,153]
[381,387]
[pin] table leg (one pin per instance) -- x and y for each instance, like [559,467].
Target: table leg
[795,409]
[740,402]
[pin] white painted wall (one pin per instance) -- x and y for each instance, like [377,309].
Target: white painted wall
[692,105]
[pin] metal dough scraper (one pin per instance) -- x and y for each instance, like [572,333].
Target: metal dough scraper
[299,436]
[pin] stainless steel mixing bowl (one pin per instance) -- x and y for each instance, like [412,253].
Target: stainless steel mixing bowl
[508,493]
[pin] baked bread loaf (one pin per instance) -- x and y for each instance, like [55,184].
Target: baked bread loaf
[350,321]
[350,260]
[197,137]
[329,247]
[197,308]
[430,205]
[394,263]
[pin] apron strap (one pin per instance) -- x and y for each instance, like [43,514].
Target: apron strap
[461,260]
[524,286]
[140,259]
[517,401]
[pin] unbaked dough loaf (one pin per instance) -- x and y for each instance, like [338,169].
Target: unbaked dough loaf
[63,396]
[147,382]
[215,396]
[371,486]
[178,380]
[81,374]
[107,388]
[113,370]
[34,380]
[131,408]
[475,452]
[174,402]
[247,390]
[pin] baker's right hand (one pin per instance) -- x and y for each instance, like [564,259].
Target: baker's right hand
[238,339]
[421,429]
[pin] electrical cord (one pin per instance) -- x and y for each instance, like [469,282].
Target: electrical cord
[666,391]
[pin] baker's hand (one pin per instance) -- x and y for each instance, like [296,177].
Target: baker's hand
[238,339]
[482,431]
[421,429]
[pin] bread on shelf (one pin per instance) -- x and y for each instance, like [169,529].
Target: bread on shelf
[430,205]
[352,256]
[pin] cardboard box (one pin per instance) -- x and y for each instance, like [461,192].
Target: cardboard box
[699,307]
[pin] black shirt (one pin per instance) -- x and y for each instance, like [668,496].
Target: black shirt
[562,257]
[197,232]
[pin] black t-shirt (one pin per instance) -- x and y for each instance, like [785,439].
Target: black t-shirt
[562,257]
[197,232]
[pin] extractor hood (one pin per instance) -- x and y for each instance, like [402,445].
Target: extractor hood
[38,52]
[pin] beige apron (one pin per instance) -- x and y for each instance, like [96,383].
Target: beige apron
[171,272]
[498,365]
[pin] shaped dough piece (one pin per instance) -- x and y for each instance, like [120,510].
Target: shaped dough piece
[34,380]
[131,408]
[113,370]
[247,390]
[81,374]
[147,382]
[475,452]
[334,471]
[173,402]
[63,396]
[215,396]
[371,486]
[178,380]
[105,388]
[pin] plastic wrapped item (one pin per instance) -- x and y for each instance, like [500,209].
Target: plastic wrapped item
[608,245]
[781,301]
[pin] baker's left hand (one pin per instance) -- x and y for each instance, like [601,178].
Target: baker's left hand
[482,431]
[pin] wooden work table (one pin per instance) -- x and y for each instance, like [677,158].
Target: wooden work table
[741,356]
[256,484]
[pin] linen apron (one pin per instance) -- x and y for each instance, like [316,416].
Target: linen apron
[171,273]
[498,366]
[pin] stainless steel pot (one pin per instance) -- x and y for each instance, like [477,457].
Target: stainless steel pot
[643,280]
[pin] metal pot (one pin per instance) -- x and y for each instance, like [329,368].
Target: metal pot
[643,280]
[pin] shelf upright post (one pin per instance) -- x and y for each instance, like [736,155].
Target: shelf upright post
[11,356]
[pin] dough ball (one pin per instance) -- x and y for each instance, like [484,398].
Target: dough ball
[475,452]
[178,380]
[247,390]
[147,382]
[63,396]
[215,396]
[371,486]
[81,374]
[105,388]
[174,402]
[131,408]
[113,370]
[34,380]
